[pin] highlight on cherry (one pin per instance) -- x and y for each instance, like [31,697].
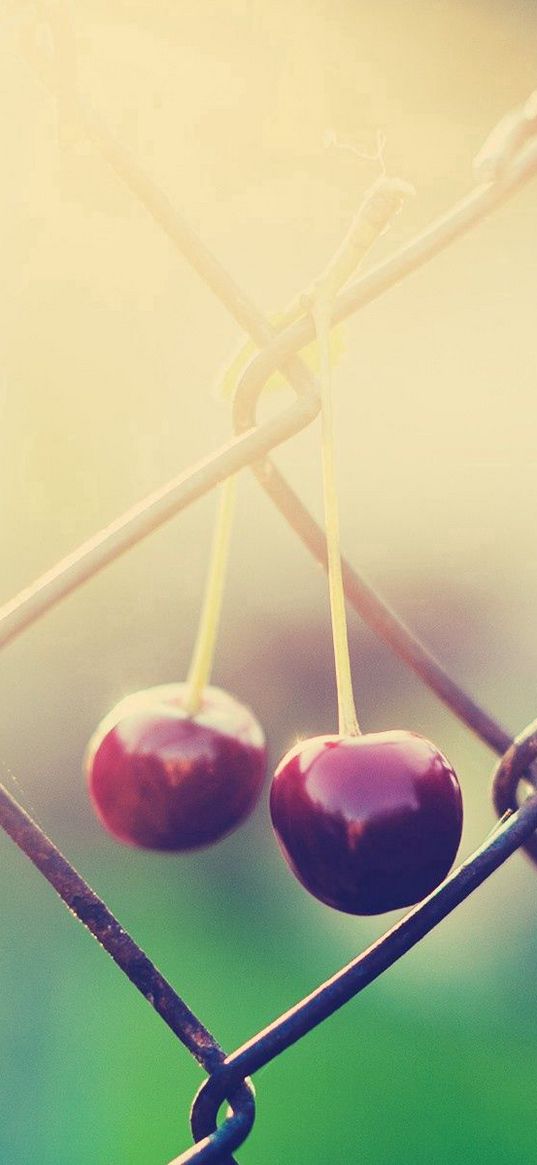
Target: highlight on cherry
[164,779]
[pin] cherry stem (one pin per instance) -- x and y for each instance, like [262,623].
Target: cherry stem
[381,202]
[348,720]
[203,655]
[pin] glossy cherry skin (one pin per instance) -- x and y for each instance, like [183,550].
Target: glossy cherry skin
[367,823]
[164,780]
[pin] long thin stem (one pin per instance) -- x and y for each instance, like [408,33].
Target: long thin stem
[204,649]
[348,720]
[381,203]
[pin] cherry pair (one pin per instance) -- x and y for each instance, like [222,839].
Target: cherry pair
[368,823]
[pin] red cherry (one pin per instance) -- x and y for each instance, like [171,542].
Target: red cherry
[165,780]
[367,823]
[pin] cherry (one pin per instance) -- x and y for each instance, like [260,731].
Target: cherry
[163,779]
[367,823]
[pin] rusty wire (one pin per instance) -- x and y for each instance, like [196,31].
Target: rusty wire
[227,1075]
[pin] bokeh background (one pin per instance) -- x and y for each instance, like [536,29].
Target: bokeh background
[110,352]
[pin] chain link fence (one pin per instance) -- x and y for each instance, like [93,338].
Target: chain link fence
[508,160]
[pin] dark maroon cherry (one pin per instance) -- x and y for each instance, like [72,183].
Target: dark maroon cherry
[367,823]
[165,780]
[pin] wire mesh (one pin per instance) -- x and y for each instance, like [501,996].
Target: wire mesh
[228,1074]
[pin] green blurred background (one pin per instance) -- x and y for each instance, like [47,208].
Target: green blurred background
[110,351]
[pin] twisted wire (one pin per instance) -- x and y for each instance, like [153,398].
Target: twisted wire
[514,770]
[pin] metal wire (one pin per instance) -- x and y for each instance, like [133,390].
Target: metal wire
[227,1077]
[347,983]
[92,912]
[514,769]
